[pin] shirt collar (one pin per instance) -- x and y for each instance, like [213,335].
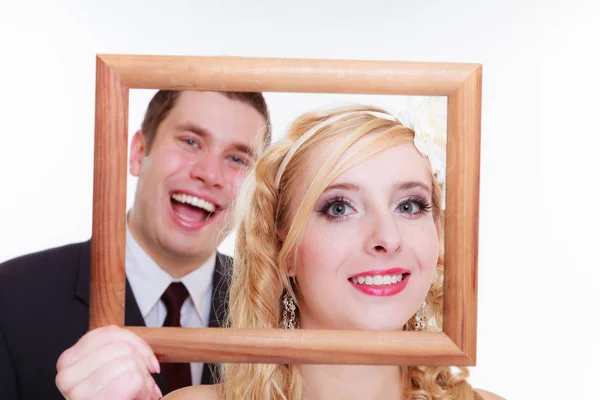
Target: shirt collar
[148,281]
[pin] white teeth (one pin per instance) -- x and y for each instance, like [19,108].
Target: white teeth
[195,201]
[377,280]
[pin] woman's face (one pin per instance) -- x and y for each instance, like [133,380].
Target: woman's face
[370,248]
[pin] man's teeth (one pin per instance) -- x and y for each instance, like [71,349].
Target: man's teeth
[195,201]
[377,280]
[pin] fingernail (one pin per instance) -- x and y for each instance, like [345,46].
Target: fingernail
[157,391]
[155,364]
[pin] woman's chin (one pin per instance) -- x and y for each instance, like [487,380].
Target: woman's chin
[374,322]
[383,325]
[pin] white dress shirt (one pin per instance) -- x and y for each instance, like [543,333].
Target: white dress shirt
[148,283]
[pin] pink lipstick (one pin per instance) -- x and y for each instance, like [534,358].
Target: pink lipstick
[384,282]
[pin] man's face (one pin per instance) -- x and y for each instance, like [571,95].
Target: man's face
[189,178]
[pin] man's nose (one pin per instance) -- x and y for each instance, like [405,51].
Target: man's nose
[208,169]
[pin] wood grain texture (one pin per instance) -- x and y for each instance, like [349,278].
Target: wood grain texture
[460,82]
[301,346]
[107,274]
[288,75]
[462,219]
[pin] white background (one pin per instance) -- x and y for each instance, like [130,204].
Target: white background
[539,269]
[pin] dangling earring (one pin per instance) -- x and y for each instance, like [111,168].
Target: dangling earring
[420,317]
[289,312]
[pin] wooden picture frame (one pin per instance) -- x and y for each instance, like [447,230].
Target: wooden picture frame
[461,83]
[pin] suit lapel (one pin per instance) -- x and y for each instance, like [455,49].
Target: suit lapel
[221,283]
[218,309]
[133,315]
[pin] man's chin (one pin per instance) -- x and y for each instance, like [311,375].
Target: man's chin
[192,248]
[192,243]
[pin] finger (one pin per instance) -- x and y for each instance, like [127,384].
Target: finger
[127,386]
[102,336]
[109,378]
[67,378]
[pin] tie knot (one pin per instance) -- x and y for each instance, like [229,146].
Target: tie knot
[174,297]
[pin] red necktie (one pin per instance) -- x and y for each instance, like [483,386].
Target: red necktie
[177,375]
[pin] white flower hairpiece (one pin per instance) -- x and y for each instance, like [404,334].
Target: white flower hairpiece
[426,116]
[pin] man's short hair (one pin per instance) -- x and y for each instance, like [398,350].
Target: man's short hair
[164,101]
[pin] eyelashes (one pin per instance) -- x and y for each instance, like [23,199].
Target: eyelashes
[423,205]
[338,202]
[338,208]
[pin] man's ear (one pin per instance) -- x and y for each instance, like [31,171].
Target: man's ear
[137,152]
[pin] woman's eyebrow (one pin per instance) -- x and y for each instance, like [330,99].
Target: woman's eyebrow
[397,186]
[411,185]
[344,186]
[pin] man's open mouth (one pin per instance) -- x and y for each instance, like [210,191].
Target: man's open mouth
[193,209]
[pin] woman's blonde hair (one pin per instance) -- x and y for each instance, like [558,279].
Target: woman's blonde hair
[269,234]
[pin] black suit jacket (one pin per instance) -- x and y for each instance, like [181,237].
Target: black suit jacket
[44,309]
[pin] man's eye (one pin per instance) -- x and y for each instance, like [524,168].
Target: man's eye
[240,160]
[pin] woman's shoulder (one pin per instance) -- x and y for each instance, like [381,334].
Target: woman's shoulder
[485,395]
[202,392]
[210,392]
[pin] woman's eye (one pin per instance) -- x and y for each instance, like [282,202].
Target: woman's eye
[409,207]
[191,142]
[338,209]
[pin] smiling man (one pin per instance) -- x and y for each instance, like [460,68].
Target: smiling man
[190,156]
[190,164]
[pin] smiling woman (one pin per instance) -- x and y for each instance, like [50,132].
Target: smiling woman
[375,220]
[340,228]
